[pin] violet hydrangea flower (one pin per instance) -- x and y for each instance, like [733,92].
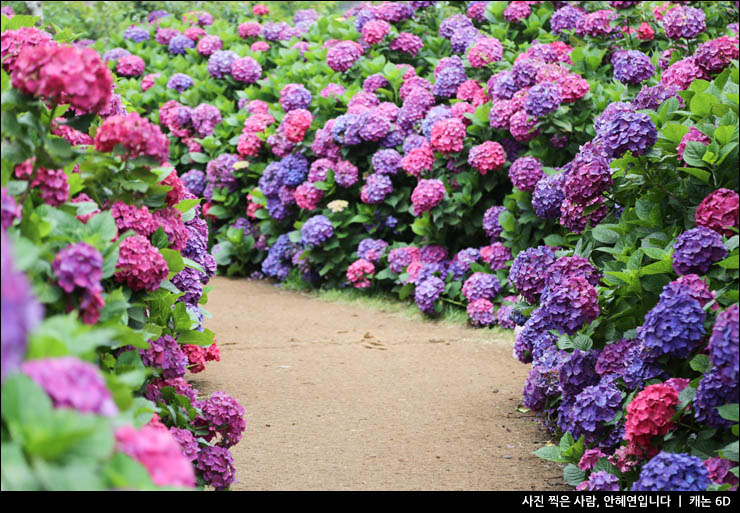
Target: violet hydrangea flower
[696,250]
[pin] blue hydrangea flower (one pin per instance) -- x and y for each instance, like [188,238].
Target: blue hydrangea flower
[674,327]
[678,472]
[316,230]
[696,250]
[579,372]
[293,169]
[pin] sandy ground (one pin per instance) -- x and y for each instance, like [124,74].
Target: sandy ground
[343,397]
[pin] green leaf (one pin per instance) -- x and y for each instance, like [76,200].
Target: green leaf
[123,472]
[573,475]
[200,158]
[16,474]
[173,259]
[731,262]
[693,154]
[701,104]
[197,338]
[695,172]
[549,453]
[700,363]
[674,132]
[729,412]
[605,235]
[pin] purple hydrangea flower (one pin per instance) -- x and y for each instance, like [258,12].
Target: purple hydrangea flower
[427,293]
[490,222]
[295,96]
[534,340]
[220,174]
[633,131]
[481,286]
[21,312]
[548,195]
[72,383]
[386,162]
[589,175]
[316,230]
[216,466]
[601,481]
[195,181]
[481,313]
[712,393]
[293,169]
[115,53]
[187,442]
[696,250]
[377,187]
[179,44]
[543,99]
[10,209]
[371,249]
[179,82]
[374,82]
[204,118]
[190,282]
[578,372]
[565,18]
[611,360]
[652,97]
[448,74]
[437,113]
[374,126]
[723,345]
[684,22]
[593,406]
[136,34]
[219,63]
[525,172]
[529,270]
[543,382]
[502,85]
[674,326]
[166,354]
[454,24]
[78,265]
[719,472]
[672,472]
[463,39]
[524,72]
[632,66]
[570,304]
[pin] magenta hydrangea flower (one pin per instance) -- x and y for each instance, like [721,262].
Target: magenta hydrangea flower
[15,41]
[496,255]
[140,265]
[696,250]
[65,75]
[692,135]
[481,312]
[166,354]
[72,383]
[426,195]
[715,55]
[407,43]
[137,135]
[682,73]
[517,11]
[484,51]
[595,24]
[343,56]
[523,127]
[223,415]
[204,118]
[208,45]
[374,31]
[720,211]
[130,66]
[359,272]
[159,452]
[488,156]
[78,265]
[345,174]
[447,135]
[332,89]
[719,472]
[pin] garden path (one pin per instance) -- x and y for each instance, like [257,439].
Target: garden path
[346,397]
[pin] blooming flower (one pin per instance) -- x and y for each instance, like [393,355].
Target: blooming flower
[159,452]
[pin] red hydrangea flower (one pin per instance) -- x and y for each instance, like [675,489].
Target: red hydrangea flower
[65,75]
[295,124]
[137,135]
[649,415]
[719,212]
[448,135]
[645,32]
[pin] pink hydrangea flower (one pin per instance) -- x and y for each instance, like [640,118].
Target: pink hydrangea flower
[359,272]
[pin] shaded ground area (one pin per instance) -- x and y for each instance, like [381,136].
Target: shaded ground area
[341,397]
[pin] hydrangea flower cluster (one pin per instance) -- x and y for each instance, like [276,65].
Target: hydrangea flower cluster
[72,383]
[426,195]
[316,230]
[224,416]
[529,270]
[720,211]
[135,134]
[359,272]
[159,452]
[696,250]
[79,266]
[684,22]
[140,266]
[427,293]
[671,472]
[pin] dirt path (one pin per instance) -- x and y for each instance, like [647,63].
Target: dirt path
[340,397]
